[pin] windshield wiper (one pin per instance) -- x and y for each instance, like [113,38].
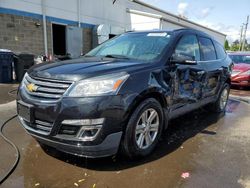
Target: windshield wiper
[116,56]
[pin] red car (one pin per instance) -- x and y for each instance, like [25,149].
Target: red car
[241,71]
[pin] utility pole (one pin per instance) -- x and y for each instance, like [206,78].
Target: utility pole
[241,32]
[245,32]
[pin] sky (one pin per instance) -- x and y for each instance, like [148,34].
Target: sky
[226,16]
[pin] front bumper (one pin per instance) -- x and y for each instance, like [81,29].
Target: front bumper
[112,108]
[108,147]
[240,80]
[242,83]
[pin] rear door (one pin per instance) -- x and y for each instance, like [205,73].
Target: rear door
[212,65]
[188,79]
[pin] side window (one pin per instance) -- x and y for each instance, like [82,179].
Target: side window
[188,45]
[207,49]
[219,50]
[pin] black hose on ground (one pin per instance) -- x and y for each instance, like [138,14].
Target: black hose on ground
[11,92]
[14,165]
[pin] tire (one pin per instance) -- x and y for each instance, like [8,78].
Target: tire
[140,124]
[217,106]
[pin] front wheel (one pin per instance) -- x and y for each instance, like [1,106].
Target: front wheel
[143,130]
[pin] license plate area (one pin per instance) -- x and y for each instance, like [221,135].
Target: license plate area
[25,111]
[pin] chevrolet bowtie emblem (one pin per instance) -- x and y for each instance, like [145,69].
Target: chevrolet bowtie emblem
[32,87]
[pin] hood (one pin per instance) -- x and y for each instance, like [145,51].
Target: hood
[241,67]
[77,69]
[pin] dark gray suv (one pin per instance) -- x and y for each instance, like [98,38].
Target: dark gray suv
[123,93]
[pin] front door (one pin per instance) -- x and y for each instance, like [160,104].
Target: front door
[188,80]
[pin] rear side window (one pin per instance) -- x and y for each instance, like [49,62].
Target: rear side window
[221,54]
[207,49]
[188,45]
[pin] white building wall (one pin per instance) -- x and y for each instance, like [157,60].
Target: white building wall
[168,25]
[174,22]
[32,6]
[92,11]
[140,22]
[105,12]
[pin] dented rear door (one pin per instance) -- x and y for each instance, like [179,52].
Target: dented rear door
[213,67]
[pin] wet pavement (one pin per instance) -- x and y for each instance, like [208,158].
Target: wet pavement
[7,91]
[244,92]
[211,149]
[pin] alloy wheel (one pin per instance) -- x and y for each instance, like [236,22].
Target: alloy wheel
[223,98]
[147,128]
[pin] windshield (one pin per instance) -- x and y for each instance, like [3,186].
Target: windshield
[240,58]
[139,46]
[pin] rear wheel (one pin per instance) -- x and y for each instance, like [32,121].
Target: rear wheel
[143,130]
[221,102]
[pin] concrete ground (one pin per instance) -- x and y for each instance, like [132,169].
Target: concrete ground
[200,149]
[242,94]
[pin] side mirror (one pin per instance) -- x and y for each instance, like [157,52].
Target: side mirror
[181,58]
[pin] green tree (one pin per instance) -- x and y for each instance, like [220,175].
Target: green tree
[226,45]
[236,42]
[235,46]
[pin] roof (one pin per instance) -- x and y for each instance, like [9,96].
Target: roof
[173,15]
[171,30]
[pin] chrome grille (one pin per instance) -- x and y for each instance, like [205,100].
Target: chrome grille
[42,127]
[44,88]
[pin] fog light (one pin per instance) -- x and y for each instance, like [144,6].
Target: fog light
[89,133]
[82,122]
[89,127]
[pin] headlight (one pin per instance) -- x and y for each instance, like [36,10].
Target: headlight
[101,85]
[247,73]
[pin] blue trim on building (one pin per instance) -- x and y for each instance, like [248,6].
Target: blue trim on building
[62,21]
[87,25]
[39,16]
